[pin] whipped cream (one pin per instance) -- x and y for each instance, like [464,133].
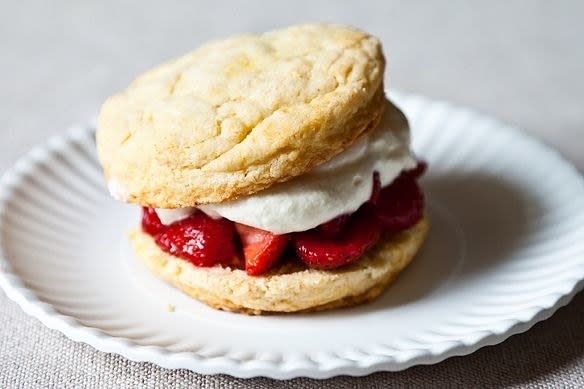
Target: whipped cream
[337,187]
[169,216]
[117,190]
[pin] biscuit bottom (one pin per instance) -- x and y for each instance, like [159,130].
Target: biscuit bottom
[290,287]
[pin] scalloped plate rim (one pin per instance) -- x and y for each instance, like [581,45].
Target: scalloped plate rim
[74,330]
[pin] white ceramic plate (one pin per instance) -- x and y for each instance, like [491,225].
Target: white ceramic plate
[505,250]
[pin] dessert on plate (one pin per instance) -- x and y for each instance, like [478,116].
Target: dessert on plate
[273,173]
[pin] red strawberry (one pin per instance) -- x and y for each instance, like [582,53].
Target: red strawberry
[199,239]
[401,204]
[151,223]
[261,249]
[376,189]
[334,227]
[320,252]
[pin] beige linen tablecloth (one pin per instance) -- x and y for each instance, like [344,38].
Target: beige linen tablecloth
[520,61]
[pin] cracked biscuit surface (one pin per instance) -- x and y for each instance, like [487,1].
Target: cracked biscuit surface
[290,287]
[238,115]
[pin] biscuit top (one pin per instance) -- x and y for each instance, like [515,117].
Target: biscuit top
[238,115]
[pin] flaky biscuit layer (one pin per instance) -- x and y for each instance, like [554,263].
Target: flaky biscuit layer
[290,288]
[238,115]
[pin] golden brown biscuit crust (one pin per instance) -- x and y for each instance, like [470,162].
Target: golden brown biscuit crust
[238,115]
[289,288]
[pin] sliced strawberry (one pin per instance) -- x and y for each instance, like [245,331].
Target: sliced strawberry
[151,223]
[261,249]
[376,188]
[401,204]
[200,239]
[319,252]
[334,227]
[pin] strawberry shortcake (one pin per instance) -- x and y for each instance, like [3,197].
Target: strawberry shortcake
[273,173]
